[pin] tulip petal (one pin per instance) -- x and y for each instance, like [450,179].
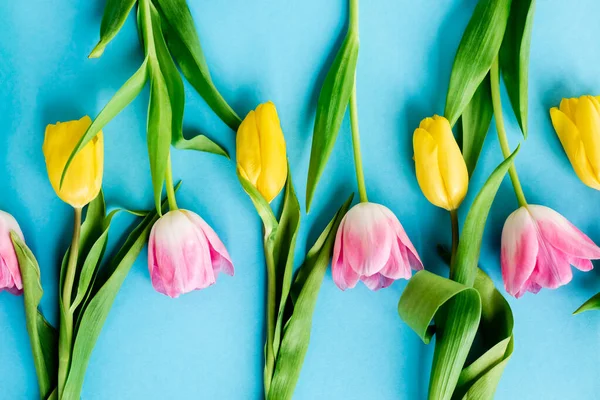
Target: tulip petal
[414,261]
[343,275]
[587,119]
[220,259]
[10,274]
[519,251]
[427,168]
[247,143]
[568,106]
[376,282]
[570,138]
[367,238]
[581,264]
[273,152]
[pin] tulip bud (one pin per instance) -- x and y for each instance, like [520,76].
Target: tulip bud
[577,124]
[185,254]
[371,246]
[538,248]
[441,169]
[83,179]
[261,155]
[10,274]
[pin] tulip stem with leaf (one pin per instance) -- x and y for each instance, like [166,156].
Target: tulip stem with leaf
[358,164]
[170,188]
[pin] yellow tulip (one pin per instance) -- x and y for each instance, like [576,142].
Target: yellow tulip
[84,177]
[261,155]
[441,170]
[577,124]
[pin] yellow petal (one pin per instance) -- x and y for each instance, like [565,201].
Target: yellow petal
[83,179]
[587,120]
[427,168]
[569,137]
[453,168]
[247,146]
[568,107]
[273,153]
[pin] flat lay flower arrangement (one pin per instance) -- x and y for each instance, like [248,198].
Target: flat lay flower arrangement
[447,295]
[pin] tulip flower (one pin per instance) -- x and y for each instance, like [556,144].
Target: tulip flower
[185,254]
[10,274]
[261,154]
[441,170]
[538,248]
[577,124]
[84,177]
[372,246]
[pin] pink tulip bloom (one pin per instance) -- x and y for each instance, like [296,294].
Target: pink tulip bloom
[10,274]
[371,246]
[185,254]
[538,248]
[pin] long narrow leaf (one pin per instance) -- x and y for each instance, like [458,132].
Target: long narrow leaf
[115,14]
[42,336]
[296,335]
[119,101]
[476,119]
[185,46]
[331,107]
[592,304]
[514,57]
[98,308]
[477,50]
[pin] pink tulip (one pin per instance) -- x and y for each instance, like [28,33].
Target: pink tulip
[538,248]
[185,254]
[371,246]
[10,274]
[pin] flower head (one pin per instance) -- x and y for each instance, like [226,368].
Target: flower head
[441,169]
[261,155]
[10,274]
[185,254]
[577,124]
[538,248]
[83,179]
[371,246]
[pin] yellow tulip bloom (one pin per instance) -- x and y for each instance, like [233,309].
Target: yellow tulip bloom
[441,169]
[83,180]
[577,124]
[261,154]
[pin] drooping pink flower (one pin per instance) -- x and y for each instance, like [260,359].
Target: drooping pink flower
[538,248]
[185,254]
[371,246]
[10,274]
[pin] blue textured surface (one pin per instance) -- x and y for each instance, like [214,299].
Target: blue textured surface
[208,344]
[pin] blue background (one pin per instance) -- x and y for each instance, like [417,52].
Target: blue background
[208,344]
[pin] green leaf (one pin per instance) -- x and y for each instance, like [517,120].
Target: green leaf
[97,310]
[476,119]
[284,247]
[115,14]
[42,336]
[331,107]
[480,379]
[262,206]
[185,47]
[177,96]
[119,101]
[296,334]
[514,57]
[477,50]
[592,304]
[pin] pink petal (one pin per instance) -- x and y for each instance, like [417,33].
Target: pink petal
[519,251]
[367,238]
[10,273]
[220,258]
[343,275]
[376,282]
[398,265]
[563,235]
[413,257]
[581,264]
[552,267]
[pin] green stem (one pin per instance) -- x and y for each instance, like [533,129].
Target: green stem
[360,175]
[353,4]
[454,223]
[66,331]
[170,188]
[497,105]
[271,313]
